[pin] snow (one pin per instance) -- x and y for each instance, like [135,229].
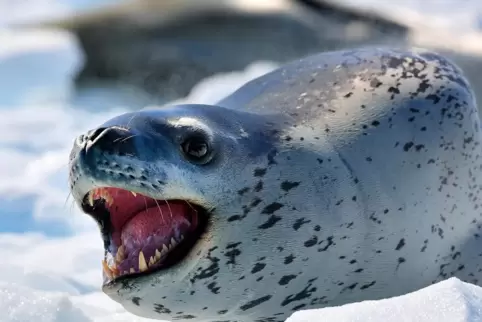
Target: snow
[51,269]
[450,300]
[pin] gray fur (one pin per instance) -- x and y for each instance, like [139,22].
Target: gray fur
[341,177]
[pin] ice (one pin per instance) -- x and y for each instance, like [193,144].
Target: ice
[451,300]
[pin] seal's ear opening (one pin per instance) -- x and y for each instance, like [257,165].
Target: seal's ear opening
[143,235]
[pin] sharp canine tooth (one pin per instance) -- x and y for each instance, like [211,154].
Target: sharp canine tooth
[120,254]
[107,270]
[134,194]
[109,200]
[142,262]
[158,255]
[164,248]
[91,199]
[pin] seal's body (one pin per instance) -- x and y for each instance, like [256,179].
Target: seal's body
[341,177]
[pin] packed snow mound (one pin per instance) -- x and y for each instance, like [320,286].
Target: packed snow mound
[448,301]
[21,304]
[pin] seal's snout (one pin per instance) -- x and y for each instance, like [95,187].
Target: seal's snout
[112,140]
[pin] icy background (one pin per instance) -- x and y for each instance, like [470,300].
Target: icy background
[51,269]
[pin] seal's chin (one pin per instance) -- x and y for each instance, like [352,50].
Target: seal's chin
[141,234]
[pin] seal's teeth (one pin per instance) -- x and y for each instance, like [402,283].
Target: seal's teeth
[134,194]
[142,262]
[132,270]
[106,269]
[173,242]
[152,261]
[158,255]
[90,199]
[115,271]
[164,249]
[109,199]
[120,254]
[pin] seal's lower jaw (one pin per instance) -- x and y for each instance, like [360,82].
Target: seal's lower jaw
[142,235]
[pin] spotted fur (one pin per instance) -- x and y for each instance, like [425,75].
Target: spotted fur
[340,177]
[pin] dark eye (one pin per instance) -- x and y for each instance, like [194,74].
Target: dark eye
[196,149]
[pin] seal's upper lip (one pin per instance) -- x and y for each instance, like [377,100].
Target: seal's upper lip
[141,234]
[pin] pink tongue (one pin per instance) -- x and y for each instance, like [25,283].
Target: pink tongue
[162,222]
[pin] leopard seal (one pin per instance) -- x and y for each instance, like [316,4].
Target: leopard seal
[340,177]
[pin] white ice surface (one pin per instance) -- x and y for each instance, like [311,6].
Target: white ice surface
[45,277]
[448,301]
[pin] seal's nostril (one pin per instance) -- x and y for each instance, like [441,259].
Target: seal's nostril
[112,140]
[93,134]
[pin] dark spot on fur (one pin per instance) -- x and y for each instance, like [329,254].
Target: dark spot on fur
[243,191]
[407,146]
[136,300]
[434,98]
[212,287]
[375,83]
[258,267]
[303,294]
[350,287]
[272,220]
[419,147]
[286,279]
[255,303]
[363,287]
[401,260]
[259,186]
[311,242]
[259,172]
[288,185]
[185,317]
[271,208]
[289,259]
[300,222]
[161,309]
[400,245]
[235,217]
[211,270]
[232,253]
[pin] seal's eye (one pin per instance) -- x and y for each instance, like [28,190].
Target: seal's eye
[196,149]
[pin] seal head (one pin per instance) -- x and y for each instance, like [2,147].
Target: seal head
[340,177]
[156,182]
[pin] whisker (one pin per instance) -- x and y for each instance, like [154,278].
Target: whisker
[168,206]
[129,137]
[145,202]
[160,210]
[132,118]
[67,199]
[124,139]
[192,207]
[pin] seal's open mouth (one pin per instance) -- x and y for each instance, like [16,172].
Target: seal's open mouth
[141,234]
